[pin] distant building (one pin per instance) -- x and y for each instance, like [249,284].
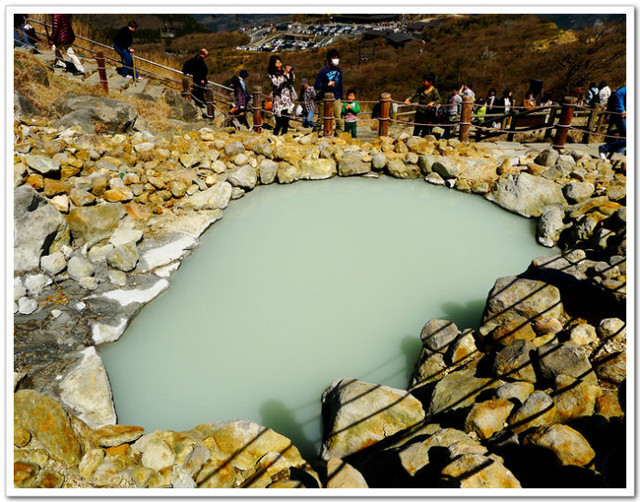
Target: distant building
[394,38]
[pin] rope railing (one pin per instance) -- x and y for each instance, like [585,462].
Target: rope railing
[465,120]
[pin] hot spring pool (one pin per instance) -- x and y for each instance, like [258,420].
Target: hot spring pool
[301,284]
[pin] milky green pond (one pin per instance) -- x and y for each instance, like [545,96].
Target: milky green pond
[299,285]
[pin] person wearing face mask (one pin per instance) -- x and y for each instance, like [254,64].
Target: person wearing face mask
[330,80]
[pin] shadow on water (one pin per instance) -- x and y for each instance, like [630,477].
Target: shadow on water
[410,347]
[277,416]
[466,315]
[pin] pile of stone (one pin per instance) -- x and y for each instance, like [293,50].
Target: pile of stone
[102,221]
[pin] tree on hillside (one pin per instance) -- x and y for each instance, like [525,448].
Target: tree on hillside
[592,57]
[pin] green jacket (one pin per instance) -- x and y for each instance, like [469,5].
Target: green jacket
[351,114]
[424,99]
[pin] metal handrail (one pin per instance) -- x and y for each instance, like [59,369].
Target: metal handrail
[137,57]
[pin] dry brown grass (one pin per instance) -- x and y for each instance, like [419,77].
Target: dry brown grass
[155,113]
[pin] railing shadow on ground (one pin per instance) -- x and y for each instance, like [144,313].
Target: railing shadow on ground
[557,476]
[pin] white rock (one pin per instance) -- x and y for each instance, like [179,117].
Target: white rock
[127,296]
[86,390]
[168,253]
[116,182]
[61,203]
[89,283]
[27,305]
[117,277]
[99,254]
[124,235]
[18,288]
[180,478]
[583,334]
[157,455]
[106,333]
[55,313]
[66,251]
[78,268]
[79,306]
[167,270]
[36,283]
[54,263]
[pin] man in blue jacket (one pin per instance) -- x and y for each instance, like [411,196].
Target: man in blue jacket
[617,105]
[330,80]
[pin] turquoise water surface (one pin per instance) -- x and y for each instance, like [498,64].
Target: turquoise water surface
[302,284]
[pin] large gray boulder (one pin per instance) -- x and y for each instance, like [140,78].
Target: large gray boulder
[181,109]
[358,414]
[37,225]
[23,107]
[525,194]
[86,111]
[550,225]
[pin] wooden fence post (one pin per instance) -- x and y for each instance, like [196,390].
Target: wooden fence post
[550,122]
[328,118]
[383,119]
[186,87]
[209,100]
[465,118]
[102,72]
[591,121]
[257,109]
[562,127]
[512,126]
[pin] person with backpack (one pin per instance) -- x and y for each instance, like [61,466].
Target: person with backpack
[428,98]
[197,69]
[241,98]
[61,39]
[330,80]
[122,45]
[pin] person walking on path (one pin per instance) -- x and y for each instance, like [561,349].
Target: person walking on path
[330,79]
[604,93]
[122,45]
[241,98]
[61,39]
[20,38]
[197,68]
[618,107]
[592,100]
[427,97]
[284,95]
[453,108]
[350,110]
[308,96]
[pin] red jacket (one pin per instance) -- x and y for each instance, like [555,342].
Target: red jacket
[62,32]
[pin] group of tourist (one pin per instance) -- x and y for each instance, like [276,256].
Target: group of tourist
[431,109]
